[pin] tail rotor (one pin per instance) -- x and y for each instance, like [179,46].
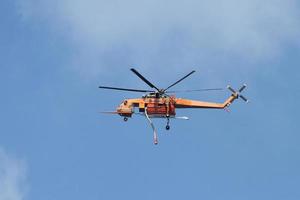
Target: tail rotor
[238,93]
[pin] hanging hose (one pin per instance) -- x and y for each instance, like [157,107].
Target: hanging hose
[153,128]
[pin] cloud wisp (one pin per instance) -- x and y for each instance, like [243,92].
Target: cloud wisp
[169,33]
[12,177]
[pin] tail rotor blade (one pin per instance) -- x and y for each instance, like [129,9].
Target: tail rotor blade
[242,88]
[244,98]
[231,89]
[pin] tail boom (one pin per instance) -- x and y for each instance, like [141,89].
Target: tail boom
[187,103]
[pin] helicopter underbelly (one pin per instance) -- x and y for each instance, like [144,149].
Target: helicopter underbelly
[160,116]
[160,110]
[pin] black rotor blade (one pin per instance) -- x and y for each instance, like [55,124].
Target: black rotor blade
[242,88]
[199,90]
[231,89]
[124,89]
[244,98]
[144,79]
[180,80]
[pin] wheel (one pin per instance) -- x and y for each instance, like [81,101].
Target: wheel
[125,119]
[167,127]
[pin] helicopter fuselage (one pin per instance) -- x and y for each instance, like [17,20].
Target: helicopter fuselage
[165,106]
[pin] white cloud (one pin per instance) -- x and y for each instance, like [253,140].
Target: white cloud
[12,177]
[169,33]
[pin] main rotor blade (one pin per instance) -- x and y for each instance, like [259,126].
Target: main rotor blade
[199,90]
[180,80]
[124,89]
[109,112]
[144,79]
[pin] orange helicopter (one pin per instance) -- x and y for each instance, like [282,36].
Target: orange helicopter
[157,103]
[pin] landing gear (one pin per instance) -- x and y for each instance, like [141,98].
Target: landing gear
[168,124]
[125,119]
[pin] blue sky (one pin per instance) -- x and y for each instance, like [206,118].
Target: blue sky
[55,145]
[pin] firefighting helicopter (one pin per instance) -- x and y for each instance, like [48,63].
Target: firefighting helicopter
[161,103]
